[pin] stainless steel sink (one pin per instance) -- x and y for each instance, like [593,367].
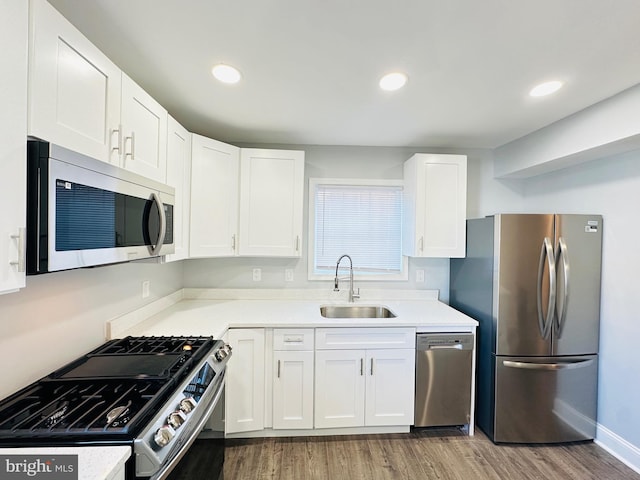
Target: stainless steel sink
[356,311]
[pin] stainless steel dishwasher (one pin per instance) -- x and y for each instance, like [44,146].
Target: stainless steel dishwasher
[443,379]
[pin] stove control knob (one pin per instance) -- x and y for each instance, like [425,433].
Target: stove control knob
[223,352]
[187,404]
[176,419]
[164,435]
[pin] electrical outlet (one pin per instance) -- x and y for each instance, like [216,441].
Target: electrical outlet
[146,286]
[420,276]
[257,274]
[288,275]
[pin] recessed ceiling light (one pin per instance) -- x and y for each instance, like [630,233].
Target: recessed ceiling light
[546,88]
[393,81]
[226,73]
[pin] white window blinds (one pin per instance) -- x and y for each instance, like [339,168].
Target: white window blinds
[363,221]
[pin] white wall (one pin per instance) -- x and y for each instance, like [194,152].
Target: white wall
[335,162]
[60,316]
[610,187]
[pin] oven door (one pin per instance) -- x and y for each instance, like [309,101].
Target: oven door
[157,462]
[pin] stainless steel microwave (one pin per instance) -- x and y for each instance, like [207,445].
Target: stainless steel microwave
[82,212]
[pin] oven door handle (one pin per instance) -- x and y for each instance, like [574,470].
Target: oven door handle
[166,469]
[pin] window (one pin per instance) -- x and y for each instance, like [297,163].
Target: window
[360,218]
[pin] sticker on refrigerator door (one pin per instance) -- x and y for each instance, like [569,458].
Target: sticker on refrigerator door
[591,226]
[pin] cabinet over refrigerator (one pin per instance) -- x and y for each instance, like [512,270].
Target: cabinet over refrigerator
[533,283]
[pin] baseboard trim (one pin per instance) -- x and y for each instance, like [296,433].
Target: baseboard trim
[617,446]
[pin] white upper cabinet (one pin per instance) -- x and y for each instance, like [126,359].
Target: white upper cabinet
[271,202]
[179,177]
[435,205]
[215,170]
[144,132]
[74,89]
[13,145]
[79,99]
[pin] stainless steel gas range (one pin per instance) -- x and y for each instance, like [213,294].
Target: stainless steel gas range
[153,394]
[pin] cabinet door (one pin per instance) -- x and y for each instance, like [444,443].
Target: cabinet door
[292,389]
[271,201]
[179,177]
[13,151]
[74,89]
[244,401]
[144,130]
[435,205]
[340,386]
[390,387]
[215,172]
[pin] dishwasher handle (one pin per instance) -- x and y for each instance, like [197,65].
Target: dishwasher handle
[453,346]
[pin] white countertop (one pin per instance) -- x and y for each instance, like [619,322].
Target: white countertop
[214,316]
[94,463]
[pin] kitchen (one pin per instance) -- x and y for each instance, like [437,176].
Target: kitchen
[70,309]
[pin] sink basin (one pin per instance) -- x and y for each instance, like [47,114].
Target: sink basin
[356,311]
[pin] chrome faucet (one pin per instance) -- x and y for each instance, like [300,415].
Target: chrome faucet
[352,295]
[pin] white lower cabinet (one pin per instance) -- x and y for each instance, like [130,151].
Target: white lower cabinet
[244,397]
[364,387]
[340,388]
[318,379]
[293,375]
[389,387]
[292,390]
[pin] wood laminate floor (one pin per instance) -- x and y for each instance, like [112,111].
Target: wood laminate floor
[424,454]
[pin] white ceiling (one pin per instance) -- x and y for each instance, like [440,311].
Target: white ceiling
[311,67]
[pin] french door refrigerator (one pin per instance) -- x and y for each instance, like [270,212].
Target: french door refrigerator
[533,283]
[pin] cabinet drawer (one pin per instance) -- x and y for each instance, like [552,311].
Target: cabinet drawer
[371,338]
[293,339]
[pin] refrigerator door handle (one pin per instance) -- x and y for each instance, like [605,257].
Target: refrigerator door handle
[548,366]
[545,322]
[563,254]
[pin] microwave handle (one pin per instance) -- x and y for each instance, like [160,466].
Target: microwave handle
[163,224]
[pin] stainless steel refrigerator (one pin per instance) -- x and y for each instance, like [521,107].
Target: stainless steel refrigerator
[533,283]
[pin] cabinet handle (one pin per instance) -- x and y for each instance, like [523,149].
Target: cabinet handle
[372,366]
[361,366]
[421,244]
[297,243]
[21,238]
[132,140]
[118,147]
[233,242]
[278,368]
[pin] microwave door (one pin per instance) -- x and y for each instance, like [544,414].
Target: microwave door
[96,219]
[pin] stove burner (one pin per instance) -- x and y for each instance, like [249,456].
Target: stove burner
[55,413]
[116,413]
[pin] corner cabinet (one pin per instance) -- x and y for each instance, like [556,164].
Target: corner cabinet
[435,205]
[364,377]
[179,177]
[245,202]
[13,145]
[245,385]
[271,202]
[215,184]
